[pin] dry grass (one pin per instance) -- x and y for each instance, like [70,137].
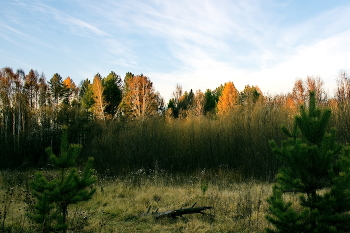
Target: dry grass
[118,203]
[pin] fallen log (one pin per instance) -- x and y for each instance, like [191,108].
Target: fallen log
[177,212]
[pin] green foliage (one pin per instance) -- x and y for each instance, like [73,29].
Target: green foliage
[44,208]
[283,216]
[316,167]
[210,101]
[204,187]
[127,78]
[112,93]
[250,95]
[86,95]
[70,187]
[180,104]
[57,87]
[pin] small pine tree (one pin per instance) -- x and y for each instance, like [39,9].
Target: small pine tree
[317,168]
[70,187]
[44,208]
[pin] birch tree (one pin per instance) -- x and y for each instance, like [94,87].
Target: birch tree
[141,100]
[32,87]
[99,105]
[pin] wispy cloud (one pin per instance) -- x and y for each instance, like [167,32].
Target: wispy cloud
[16,37]
[315,47]
[2,25]
[207,38]
[122,54]
[76,24]
[205,42]
[47,12]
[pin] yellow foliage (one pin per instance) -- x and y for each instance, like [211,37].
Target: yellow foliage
[140,100]
[229,99]
[100,104]
[290,105]
[69,83]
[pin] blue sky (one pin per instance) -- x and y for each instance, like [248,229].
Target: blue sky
[199,44]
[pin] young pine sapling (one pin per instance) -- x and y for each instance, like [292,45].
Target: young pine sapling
[317,168]
[53,196]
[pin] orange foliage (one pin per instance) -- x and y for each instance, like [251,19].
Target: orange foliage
[302,88]
[333,104]
[69,83]
[99,104]
[140,100]
[228,99]
[290,105]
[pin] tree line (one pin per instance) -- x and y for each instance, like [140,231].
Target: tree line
[125,123]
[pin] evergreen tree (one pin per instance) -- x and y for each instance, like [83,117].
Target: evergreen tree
[210,101]
[57,88]
[112,93]
[86,95]
[69,187]
[317,168]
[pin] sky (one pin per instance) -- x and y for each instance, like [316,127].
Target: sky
[197,44]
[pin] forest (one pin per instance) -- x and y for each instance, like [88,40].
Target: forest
[254,162]
[126,126]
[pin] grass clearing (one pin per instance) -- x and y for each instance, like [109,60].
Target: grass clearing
[119,202]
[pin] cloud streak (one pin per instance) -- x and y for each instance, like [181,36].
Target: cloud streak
[275,54]
[46,12]
[198,44]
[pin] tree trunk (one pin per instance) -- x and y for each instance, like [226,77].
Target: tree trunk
[177,212]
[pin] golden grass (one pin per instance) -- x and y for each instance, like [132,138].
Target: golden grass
[119,202]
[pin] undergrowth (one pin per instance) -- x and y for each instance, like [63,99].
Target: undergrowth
[119,202]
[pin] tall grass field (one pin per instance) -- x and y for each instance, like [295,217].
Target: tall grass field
[119,203]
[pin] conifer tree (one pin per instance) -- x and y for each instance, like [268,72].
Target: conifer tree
[69,187]
[86,95]
[112,93]
[57,88]
[316,168]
